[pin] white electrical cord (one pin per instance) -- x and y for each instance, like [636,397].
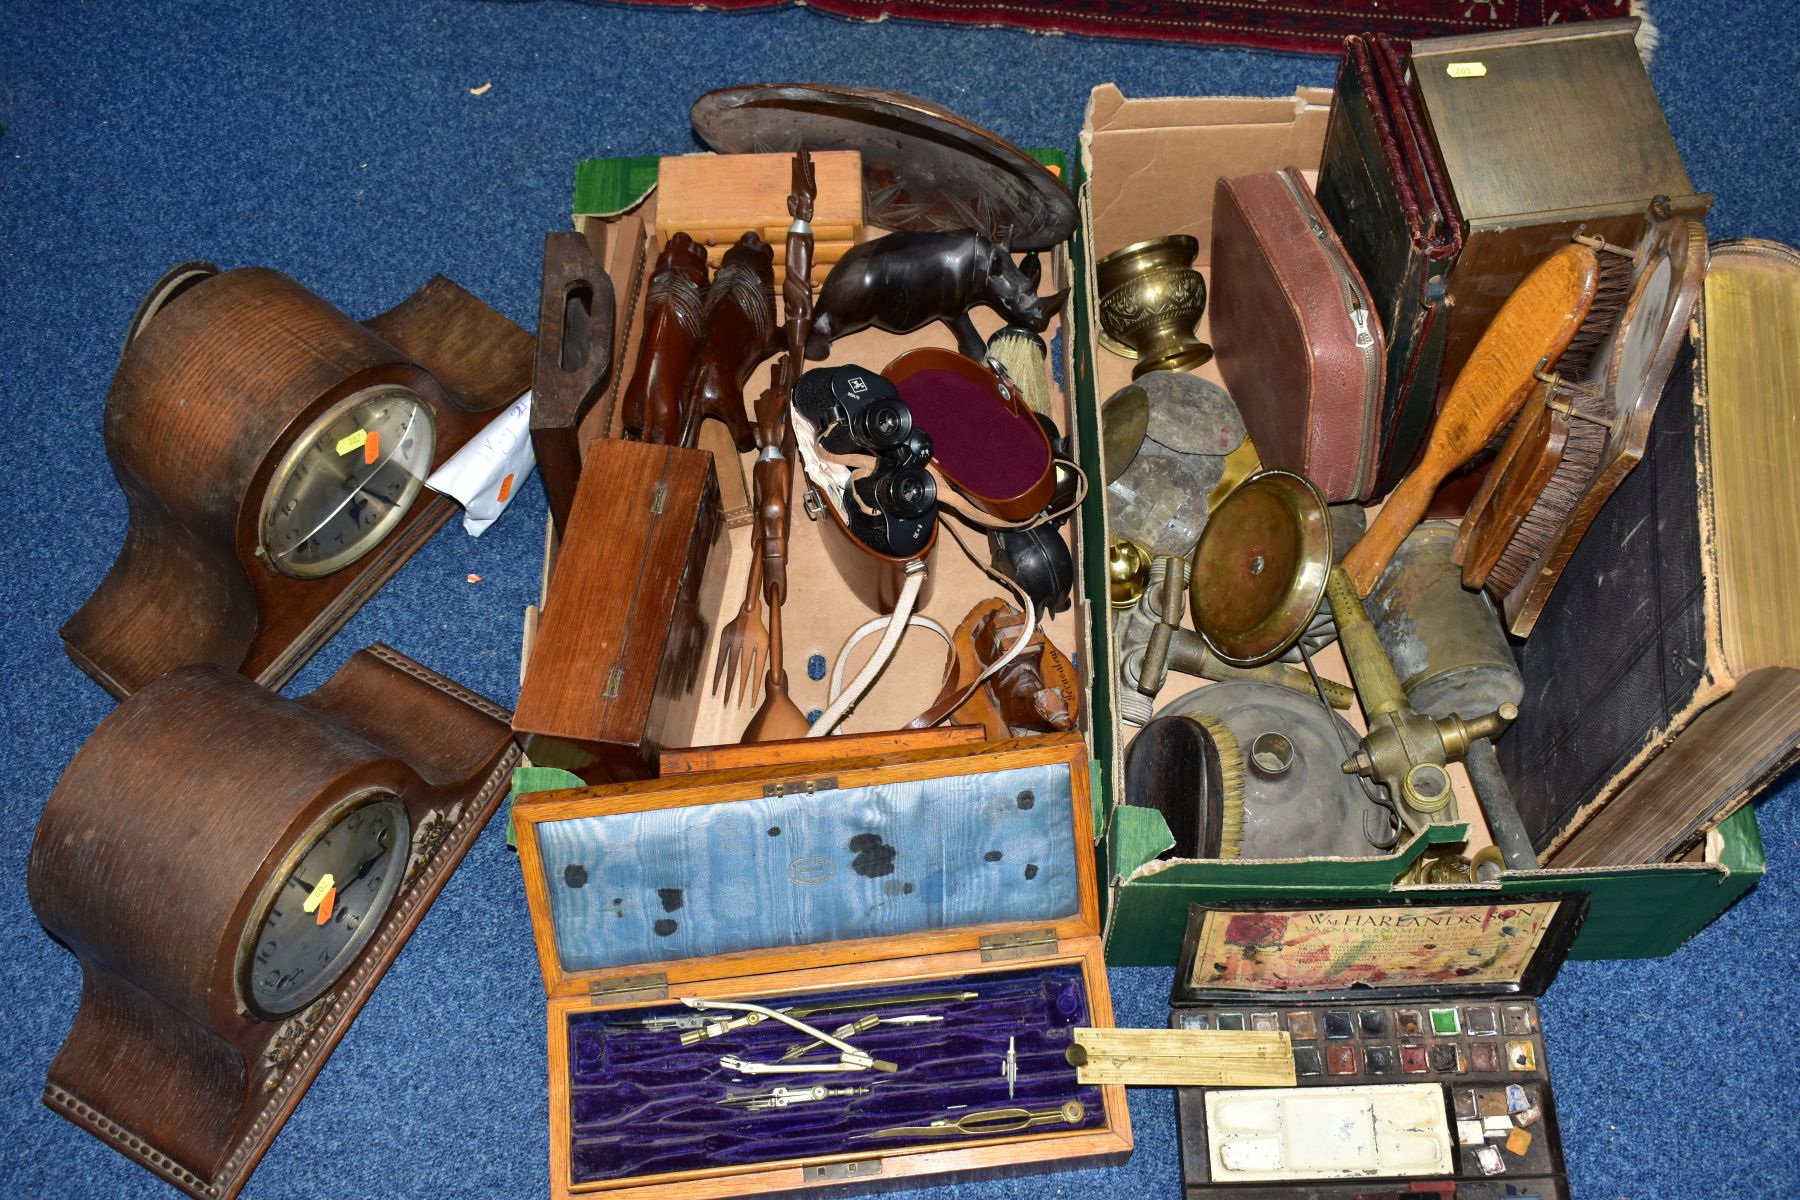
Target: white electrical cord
[841,707]
[854,640]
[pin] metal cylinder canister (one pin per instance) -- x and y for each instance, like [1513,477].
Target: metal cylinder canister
[1446,642]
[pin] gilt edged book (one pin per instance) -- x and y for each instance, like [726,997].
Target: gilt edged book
[1663,680]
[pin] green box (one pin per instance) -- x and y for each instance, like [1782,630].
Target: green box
[1172,150]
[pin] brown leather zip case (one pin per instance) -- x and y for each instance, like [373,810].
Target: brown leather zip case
[1298,340]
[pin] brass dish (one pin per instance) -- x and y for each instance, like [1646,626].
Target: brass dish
[1151,301]
[1259,570]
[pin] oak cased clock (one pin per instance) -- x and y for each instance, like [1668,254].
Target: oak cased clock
[272,452]
[235,872]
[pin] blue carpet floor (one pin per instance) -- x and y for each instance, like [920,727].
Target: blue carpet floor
[341,143]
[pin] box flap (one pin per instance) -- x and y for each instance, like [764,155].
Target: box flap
[736,873]
[1108,109]
[1136,154]
[606,187]
[1444,944]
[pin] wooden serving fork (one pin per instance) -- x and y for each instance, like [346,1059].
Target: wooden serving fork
[744,642]
[1532,328]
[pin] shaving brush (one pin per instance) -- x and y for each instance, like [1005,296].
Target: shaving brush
[1026,361]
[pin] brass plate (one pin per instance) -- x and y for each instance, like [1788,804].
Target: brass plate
[1259,570]
[1124,420]
[924,168]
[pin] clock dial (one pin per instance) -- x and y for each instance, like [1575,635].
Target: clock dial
[324,903]
[347,481]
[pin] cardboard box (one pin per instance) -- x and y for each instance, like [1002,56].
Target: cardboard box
[615,209]
[1148,168]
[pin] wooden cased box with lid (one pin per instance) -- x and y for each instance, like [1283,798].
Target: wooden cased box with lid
[949,894]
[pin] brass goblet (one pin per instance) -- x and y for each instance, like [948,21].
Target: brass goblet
[1151,300]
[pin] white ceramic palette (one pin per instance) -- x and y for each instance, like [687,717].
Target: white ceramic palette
[1374,1131]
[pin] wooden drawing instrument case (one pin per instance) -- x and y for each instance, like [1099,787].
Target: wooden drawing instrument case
[958,870]
[608,691]
[1437,994]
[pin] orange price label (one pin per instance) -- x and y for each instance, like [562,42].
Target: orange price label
[372,447]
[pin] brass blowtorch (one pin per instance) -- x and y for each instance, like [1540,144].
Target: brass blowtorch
[1404,751]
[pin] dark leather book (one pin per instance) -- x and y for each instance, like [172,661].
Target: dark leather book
[1382,189]
[1662,683]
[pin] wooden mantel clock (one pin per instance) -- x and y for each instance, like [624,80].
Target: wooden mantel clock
[235,872]
[272,453]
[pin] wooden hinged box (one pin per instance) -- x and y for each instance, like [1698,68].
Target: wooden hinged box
[949,894]
[1147,167]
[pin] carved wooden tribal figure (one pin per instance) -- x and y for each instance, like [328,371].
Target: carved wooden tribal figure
[773,480]
[904,281]
[673,326]
[740,334]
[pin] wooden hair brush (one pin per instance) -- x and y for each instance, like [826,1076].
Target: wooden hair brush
[1553,448]
[1532,329]
[1189,767]
[1517,540]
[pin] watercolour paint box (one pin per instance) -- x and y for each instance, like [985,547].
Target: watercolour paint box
[948,892]
[1419,1056]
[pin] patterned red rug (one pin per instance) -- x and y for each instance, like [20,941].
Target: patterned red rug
[1305,26]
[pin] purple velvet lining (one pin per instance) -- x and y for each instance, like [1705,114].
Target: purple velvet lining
[643,1104]
[975,441]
